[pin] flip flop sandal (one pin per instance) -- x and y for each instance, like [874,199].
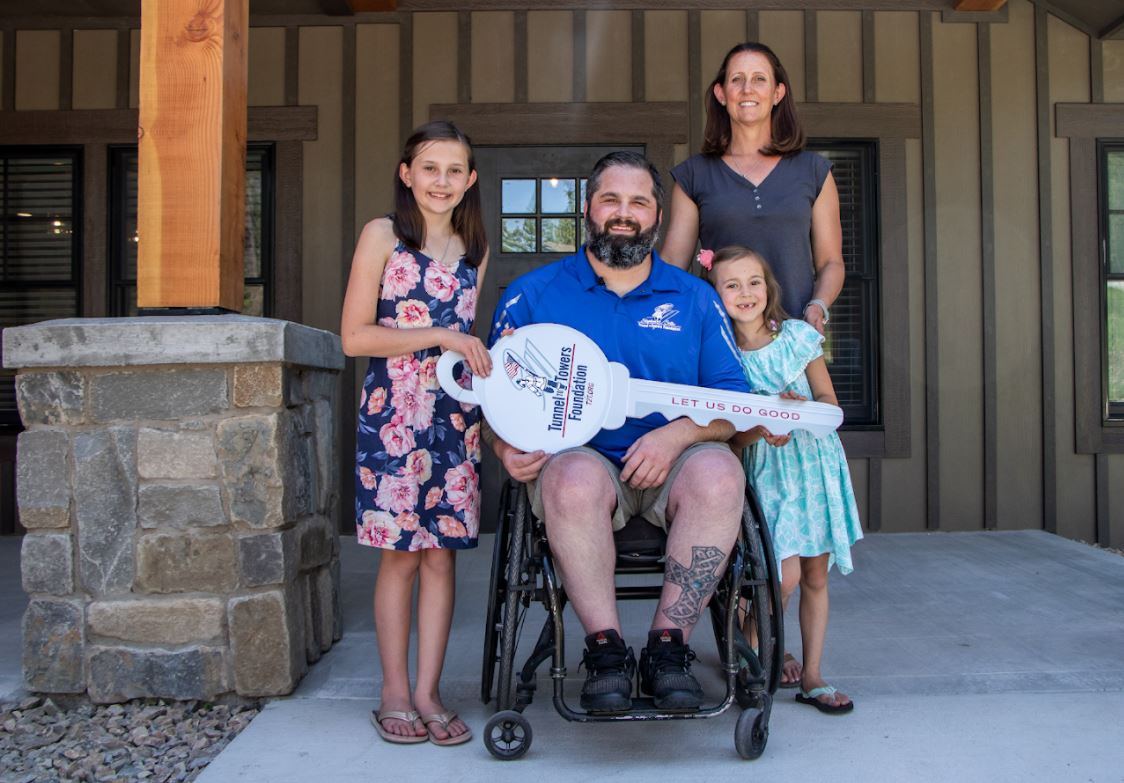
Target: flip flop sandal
[795,683]
[444,719]
[398,739]
[811,697]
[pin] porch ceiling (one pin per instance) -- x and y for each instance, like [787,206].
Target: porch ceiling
[1099,18]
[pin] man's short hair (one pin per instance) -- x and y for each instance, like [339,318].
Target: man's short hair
[633,160]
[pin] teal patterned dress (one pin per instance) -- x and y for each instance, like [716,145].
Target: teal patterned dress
[804,487]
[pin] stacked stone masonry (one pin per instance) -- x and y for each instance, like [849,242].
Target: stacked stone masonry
[181,517]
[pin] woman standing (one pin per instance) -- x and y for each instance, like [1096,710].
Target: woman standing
[755,185]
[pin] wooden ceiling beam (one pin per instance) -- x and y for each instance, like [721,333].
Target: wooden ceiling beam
[980,5]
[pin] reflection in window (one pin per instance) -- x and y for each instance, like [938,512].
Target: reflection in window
[541,215]
[257,241]
[1112,172]
[38,245]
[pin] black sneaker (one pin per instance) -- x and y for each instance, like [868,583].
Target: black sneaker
[665,671]
[610,667]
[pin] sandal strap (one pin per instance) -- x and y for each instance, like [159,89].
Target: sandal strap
[444,718]
[407,717]
[815,693]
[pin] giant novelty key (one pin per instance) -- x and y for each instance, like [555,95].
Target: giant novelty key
[551,388]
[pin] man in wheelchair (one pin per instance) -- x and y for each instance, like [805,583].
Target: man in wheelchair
[664,325]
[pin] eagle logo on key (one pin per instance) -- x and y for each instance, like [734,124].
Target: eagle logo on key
[531,371]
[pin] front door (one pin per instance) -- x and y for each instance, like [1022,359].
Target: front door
[532,198]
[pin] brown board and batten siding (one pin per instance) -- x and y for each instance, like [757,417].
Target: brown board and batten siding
[978,300]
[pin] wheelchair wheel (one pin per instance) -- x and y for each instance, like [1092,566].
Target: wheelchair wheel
[509,624]
[773,658]
[756,603]
[497,592]
[507,735]
[751,734]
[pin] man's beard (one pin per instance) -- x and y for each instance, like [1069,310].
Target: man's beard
[620,251]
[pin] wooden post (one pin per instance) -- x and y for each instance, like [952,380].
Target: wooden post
[192,154]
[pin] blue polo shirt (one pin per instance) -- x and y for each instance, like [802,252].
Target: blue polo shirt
[671,328]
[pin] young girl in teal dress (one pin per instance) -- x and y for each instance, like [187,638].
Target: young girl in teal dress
[412,294]
[801,482]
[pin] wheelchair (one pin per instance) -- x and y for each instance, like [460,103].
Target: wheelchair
[523,572]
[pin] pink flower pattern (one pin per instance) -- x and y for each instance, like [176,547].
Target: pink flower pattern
[418,449]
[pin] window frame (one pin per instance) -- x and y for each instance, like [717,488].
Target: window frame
[870,277]
[10,420]
[116,284]
[1112,412]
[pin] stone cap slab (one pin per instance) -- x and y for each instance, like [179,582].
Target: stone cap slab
[188,339]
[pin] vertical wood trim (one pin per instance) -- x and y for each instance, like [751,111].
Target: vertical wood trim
[8,70]
[987,273]
[811,59]
[66,69]
[932,333]
[405,80]
[638,57]
[520,57]
[580,69]
[292,65]
[1088,322]
[94,244]
[752,26]
[1046,270]
[464,57]
[874,494]
[1104,517]
[1096,72]
[694,89]
[897,404]
[124,63]
[288,270]
[869,95]
[345,435]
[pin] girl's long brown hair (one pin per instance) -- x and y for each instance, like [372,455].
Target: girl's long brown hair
[468,216]
[774,311]
[787,132]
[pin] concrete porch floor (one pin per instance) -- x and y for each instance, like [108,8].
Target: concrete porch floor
[972,656]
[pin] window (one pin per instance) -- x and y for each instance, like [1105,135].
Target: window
[258,259]
[852,345]
[541,215]
[39,245]
[1112,277]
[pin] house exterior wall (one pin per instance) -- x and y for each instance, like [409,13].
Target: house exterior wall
[988,303]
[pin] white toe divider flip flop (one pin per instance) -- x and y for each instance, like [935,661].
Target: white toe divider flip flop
[552,389]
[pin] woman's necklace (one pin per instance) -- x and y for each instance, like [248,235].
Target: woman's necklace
[756,168]
[445,252]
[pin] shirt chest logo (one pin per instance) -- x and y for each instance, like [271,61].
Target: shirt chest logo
[662,318]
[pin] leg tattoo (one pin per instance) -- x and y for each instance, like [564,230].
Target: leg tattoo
[697,583]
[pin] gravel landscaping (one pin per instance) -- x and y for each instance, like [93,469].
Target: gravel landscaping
[147,740]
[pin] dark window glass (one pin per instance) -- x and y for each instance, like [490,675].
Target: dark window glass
[852,345]
[258,247]
[1112,275]
[39,245]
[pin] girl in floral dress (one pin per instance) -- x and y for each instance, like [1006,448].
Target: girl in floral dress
[802,483]
[411,295]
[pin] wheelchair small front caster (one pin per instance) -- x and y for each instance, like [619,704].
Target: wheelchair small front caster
[507,735]
[751,734]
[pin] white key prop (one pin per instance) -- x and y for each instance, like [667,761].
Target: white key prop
[552,388]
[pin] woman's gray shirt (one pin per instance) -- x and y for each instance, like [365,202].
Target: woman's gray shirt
[773,218]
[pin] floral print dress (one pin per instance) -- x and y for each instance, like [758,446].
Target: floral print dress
[417,448]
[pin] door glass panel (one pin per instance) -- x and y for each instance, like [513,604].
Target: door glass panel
[518,196]
[559,235]
[518,235]
[558,196]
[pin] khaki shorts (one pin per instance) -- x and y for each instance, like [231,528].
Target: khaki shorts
[649,503]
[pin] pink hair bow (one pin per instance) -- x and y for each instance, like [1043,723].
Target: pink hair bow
[705,259]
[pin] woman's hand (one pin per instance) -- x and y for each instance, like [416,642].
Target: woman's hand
[473,351]
[814,316]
